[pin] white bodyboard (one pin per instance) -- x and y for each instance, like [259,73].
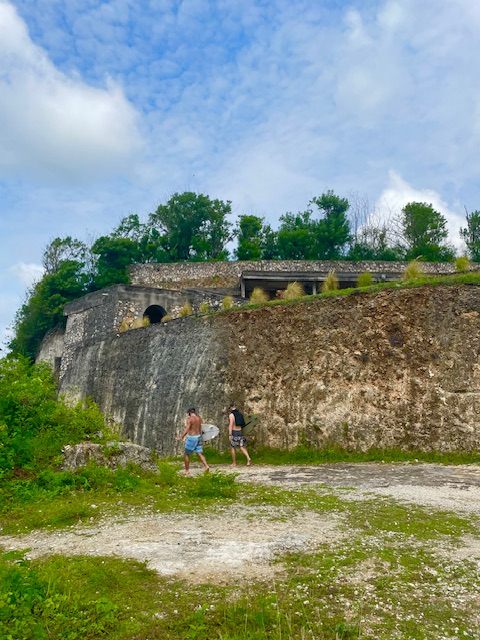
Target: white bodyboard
[209,432]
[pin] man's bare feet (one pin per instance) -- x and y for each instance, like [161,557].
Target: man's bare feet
[207,469]
[249,463]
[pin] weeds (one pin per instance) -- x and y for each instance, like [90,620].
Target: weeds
[186,310]
[413,270]
[258,296]
[330,283]
[293,291]
[462,264]
[227,303]
[365,279]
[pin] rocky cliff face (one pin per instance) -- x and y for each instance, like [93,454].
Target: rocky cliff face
[396,369]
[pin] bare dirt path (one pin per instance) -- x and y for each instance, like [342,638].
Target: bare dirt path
[241,542]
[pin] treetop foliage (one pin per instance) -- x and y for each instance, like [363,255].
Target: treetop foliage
[195,227]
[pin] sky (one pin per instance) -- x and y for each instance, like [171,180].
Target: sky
[108,107]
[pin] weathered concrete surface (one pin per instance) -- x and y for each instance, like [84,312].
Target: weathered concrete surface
[396,369]
[146,379]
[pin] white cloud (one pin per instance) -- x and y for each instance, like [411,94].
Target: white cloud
[53,124]
[27,273]
[398,193]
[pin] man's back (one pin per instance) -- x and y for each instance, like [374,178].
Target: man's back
[194,424]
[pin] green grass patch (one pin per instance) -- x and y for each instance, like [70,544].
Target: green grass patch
[57,499]
[308,455]
[355,590]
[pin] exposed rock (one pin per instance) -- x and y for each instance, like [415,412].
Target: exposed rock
[112,455]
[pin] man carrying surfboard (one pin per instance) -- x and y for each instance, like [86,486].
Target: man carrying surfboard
[193,440]
[237,440]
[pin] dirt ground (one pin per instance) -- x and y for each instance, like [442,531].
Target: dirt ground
[240,542]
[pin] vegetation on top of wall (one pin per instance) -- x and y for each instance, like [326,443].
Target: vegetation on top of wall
[470,278]
[194,227]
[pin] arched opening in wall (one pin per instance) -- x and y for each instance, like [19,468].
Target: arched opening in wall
[154,313]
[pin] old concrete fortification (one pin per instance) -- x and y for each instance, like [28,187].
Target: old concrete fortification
[397,369]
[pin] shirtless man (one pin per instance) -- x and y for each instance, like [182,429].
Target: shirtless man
[193,440]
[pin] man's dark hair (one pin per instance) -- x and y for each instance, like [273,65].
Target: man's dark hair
[191,410]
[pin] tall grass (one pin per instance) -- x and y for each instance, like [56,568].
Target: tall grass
[331,282]
[365,279]
[258,296]
[413,270]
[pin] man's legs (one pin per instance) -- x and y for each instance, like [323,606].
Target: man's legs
[245,453]
[234,457]
[186,462]
[204,461]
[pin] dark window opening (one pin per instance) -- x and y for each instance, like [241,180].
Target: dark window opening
[154,313]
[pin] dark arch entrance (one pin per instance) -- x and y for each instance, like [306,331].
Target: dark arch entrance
[154,313]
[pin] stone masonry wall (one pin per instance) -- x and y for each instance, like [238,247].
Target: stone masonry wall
[396,369]
[227,274]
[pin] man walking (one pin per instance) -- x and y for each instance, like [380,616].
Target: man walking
[193,440]
[237,440]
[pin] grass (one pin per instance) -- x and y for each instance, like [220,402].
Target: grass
[381,581]
[307,455]
[369,587]
[60,499]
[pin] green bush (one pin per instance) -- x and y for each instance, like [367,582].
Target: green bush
[34,424]
[167,474]
[204,307]
[365,279]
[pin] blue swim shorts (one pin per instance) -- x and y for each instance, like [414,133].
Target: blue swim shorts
[193,444]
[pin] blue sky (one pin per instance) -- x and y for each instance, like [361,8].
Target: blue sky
[107,108]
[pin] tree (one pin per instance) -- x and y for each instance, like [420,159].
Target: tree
[296,236]
[424,232]
[61,249]
[372,243]
[249,233]
[43,309]
[471,235]
[114,255]
[193,227]
[333,229]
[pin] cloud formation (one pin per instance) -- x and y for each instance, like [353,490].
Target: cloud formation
[52,124]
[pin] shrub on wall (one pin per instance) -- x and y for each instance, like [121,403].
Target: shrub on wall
[365,279]
[258,296]
[293,291]
[331,282]
[186,310]
[227,303]
[204,307]
[413,270]
[462,263]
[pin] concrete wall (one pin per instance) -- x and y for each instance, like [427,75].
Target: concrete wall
[396,369]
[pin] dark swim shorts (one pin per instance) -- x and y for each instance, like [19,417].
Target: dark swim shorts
[237,440]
